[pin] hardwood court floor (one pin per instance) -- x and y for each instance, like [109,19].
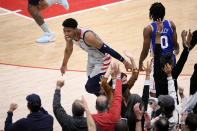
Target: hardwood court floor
[119,25]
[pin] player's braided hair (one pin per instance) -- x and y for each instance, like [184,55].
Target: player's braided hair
[156,11]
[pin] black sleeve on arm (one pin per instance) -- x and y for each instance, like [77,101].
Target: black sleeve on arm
[145,96]
[9,126]
[60,114]
[180,63]
[157,65]
[106,49]
[8,121]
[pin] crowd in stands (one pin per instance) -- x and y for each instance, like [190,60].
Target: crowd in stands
[118,109]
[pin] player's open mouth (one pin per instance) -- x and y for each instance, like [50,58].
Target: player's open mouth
[68,38]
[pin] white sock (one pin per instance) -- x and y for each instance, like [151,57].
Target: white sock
[51,2]
[45,28]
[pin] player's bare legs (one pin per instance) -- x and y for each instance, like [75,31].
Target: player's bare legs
[34,10]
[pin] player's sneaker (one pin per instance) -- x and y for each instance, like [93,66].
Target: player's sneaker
[47,37]
[65,4]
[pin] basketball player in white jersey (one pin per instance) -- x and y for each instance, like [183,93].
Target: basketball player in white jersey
[34,8]
[99,53]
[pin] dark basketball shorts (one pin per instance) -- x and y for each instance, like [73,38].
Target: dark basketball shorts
[33,2]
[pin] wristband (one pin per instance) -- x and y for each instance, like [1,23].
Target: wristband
[138,120]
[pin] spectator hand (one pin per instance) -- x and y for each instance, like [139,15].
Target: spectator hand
[115,69]
[181,92]
[189,38]
[147,120]
[128,66]
[13,107]
[183,118]
[60,83]
[167,69]
[131,58]
[148,69]
[176,127]
[139,113]
[84,103]
[183,36]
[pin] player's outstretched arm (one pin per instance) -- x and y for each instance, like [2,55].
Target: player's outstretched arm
[174,37]
[91,39]
[67,53]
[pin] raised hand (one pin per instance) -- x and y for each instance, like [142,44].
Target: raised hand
[167,69]
[60,83]
[84,103]
[128,66]
[189,38]
[115,69]
[131,59]
[148,68]
[13,107]
[147,120]
[139,113]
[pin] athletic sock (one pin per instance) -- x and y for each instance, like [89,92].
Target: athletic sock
[51,2]
[45,28]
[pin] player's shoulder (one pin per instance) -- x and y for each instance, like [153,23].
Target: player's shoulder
[148,29]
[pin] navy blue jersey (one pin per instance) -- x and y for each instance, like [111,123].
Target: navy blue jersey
[166,38]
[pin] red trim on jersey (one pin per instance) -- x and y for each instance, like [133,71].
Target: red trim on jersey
[107,58]
[104,68]
[106,64]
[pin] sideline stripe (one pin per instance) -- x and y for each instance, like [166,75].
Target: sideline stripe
[66,70]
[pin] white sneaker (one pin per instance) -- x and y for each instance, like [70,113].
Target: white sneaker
[65,4]
[47,37]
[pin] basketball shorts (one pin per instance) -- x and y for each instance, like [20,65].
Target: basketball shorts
[33,2]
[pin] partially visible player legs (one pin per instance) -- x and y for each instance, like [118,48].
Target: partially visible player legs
[93,86]
[34,8]
[95,73]
[34,11]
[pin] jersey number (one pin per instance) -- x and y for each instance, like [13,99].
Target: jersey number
[164,42]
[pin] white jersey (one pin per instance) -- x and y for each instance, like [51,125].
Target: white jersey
[97,61]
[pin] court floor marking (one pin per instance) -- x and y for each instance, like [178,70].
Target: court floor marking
[9,12]
[46,68]
[77,12]
[90,9]
[6,10]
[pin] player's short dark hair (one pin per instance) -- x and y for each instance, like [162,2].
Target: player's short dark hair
[77,109]
[156,11]
[70,22]
[167,58]
[102,106]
